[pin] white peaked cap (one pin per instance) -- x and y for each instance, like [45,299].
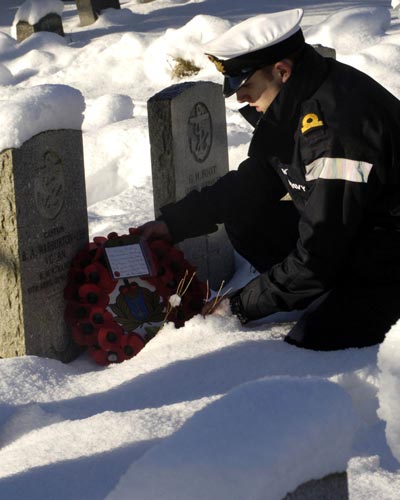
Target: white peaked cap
[253,44]
[255,33]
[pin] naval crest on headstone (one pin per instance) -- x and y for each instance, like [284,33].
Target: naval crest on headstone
[200,132]
[49,186]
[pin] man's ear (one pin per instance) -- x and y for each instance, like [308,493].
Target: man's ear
[283,69]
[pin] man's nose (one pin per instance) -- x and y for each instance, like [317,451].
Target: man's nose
[241,96]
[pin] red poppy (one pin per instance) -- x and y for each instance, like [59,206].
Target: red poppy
[93,295]
[85,334]
[131,344]
[106,357]
[98,275]
[89,253]
[112,236]
[100,241]
[110,336]
[98,355]
[159,248]
[75,312]
[134,231]
[115,355]
[99,316]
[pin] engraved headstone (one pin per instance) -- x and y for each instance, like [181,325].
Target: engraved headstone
[188,139]
[89,10]
[50,22]
[43,223]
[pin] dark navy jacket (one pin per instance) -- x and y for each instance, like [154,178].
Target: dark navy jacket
[331,139]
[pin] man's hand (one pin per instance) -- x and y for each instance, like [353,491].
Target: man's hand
[155,230]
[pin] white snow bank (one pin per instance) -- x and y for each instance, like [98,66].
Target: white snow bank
[367,480]
[351,30]
[389,387]
[32,11]
[7,43]
[25,113]
[261,440]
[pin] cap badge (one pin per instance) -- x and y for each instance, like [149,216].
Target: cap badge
[218,63]
[310,120]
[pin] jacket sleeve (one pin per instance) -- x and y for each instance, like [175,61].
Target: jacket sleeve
[340,194]
[236,196]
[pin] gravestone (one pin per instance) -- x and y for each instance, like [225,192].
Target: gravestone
[89,10]
[332,487]
[187,127]
[51,22]
[325,51]
[43,223]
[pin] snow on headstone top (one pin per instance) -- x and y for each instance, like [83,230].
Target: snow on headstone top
[25,113]
[32,11]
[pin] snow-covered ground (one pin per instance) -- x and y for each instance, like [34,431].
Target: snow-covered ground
[213,410]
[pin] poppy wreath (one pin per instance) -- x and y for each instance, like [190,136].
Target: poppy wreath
[115,318]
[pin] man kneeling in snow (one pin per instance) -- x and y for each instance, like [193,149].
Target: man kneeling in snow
[328,135]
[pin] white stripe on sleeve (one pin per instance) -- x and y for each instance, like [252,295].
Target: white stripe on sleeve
[338,168]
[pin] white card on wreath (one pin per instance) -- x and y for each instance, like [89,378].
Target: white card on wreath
[127,261]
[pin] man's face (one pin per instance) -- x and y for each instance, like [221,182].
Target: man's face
[260,89]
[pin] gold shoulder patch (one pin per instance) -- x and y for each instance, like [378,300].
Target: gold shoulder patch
[310,120]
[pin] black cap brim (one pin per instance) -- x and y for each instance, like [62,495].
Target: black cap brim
[233,83]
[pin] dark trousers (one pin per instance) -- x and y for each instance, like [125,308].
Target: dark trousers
[357,312]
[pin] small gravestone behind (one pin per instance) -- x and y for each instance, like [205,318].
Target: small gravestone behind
[325,51]
[34,16]
[89,10]
[331,487]
[188,139]
[43,223]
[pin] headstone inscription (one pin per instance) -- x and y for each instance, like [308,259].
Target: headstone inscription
[89,10]
[43,223]
[187,127]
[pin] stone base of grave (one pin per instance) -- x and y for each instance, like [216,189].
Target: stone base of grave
[43,224]
[51,22]
[213,257]
[332,487]
[89,10]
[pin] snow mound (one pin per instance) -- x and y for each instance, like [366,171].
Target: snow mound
[109,108]
[270,435]
[351,30]
[388,393]
[25,113]
[186,43]
[7,43]
[6,76]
